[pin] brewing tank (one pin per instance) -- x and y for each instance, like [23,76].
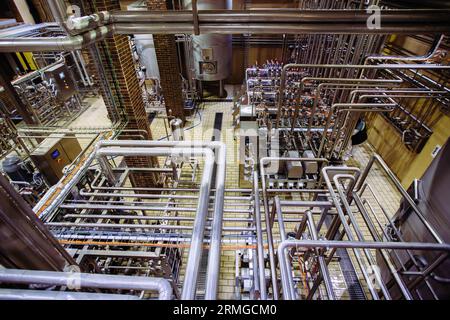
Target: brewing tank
[176,125]
[431,197]
[211,52]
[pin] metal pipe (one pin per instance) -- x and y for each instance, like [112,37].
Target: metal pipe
[195,252]
[337,66]
[302,245]
[352,22]
[287,279]
[87,280]
[58,9]
[214,254]
[140,226]
[281,16]
[259,238]
[323,267]
[20,294]
[43,44]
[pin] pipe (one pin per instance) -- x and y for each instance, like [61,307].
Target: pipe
[337,66]
[195,251]
[280,16]
[19,294]
[343,220]
[54,44]
[263,161]
[214,254]
[273,22]
[213,270]
[302,245]
[87,280]
[259,238]
[286,278]
[140,226]
[434,47]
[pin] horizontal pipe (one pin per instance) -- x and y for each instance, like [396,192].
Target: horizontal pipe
[140,226]
[178,218]
[69,43]
[87,280]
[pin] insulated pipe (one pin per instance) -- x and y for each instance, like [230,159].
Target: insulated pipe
[20,294]
[195,251]
[437,22]
[87,280]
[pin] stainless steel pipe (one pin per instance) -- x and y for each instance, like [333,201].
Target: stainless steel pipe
[87,280]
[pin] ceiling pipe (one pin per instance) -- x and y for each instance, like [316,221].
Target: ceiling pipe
[230,22]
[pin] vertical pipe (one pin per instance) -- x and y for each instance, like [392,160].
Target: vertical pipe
[259,239]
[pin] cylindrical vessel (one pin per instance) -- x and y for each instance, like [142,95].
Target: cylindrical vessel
[176,125]
[211,52]
[145,46]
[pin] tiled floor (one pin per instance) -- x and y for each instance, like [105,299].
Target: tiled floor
[199,127]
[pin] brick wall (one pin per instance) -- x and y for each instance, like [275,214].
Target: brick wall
[43,10]
[119,70]
[166,54]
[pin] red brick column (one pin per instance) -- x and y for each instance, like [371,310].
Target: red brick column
[169,71]
[117,62]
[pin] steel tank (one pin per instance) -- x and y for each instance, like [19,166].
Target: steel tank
[145,45]
[211,52]
[432,199]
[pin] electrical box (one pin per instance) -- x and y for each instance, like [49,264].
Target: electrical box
[64,83]
[53,154]
[294,168]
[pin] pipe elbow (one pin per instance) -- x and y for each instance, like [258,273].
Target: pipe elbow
[165,290]
[72,43]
